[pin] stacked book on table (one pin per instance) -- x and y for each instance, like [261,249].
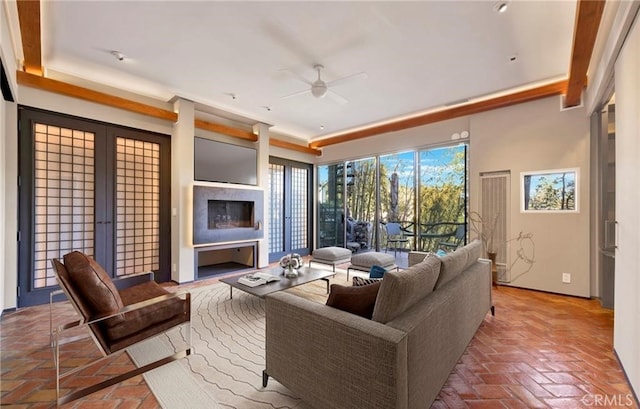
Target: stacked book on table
[256,279]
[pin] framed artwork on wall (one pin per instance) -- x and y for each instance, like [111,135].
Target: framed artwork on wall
[549,191]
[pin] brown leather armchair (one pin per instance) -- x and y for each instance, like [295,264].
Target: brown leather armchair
[116,318]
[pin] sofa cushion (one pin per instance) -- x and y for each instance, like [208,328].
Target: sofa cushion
[402,289]
[357,280]
[93,283]
[456,262]
[357,300]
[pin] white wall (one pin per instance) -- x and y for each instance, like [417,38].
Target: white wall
[525,137]
[627,272]
[538,136]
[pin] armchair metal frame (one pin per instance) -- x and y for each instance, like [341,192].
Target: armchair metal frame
[93,325]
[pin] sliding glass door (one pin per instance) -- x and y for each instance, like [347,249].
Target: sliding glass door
[397,197]
[361,204]
[443,196]
[423,192]
[330,220]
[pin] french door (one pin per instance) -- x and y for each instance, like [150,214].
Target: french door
[289,208]
[92,187]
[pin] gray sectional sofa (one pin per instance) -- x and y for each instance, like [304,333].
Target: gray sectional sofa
[423,319]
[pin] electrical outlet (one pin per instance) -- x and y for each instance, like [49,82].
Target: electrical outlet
[175,268]
[566,278]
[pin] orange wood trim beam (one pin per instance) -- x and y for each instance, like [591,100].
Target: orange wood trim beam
[226,130]
[588,16]
[294,147]
[86,94]
[29,19]
[556,88]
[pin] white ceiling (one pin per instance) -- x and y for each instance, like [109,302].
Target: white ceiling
[418,55]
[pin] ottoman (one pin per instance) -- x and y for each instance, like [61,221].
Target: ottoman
[364,261]
[331,256]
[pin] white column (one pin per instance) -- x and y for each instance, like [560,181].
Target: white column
[262,130]
[182,253]
[626,330]
[9,197]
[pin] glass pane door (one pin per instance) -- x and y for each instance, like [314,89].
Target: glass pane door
[64,197]
[137,206]
[361,204]
[299,209]
[289,208]
[397,199]
[330,219]
[442,200]
[276,208]
[90,187]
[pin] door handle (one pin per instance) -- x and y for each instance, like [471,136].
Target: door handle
[610,234]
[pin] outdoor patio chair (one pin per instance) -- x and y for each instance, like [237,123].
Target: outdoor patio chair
[395,236]
[457,240]
[116,319]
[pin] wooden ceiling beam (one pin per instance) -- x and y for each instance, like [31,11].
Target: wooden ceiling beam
[59,87]
[29,19]
[226,130]
[294,147]
[556,88]
[588,16]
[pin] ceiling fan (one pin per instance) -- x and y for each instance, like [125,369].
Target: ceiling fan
[320,88]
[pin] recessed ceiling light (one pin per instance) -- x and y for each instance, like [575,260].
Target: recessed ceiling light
[500,6]
[322,127]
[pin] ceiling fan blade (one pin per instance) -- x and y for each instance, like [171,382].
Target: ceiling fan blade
[334,96]
[297,76]
[295,94]
[353,77]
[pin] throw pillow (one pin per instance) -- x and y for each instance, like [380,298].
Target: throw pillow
[400,290]
[376,272]
[358,300]
[358,281]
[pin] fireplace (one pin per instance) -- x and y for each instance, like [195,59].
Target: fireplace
[223,214]
[230,214]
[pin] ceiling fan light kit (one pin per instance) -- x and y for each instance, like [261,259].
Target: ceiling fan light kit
[319,87]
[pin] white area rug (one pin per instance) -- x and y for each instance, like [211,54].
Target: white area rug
[226,365]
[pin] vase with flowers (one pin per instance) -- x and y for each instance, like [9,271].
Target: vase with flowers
[290,264]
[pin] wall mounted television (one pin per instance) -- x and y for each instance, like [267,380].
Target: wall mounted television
[223,162]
